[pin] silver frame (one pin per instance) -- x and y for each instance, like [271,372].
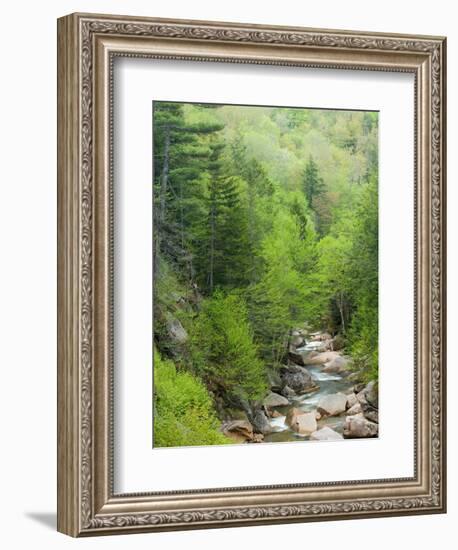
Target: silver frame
[87,45]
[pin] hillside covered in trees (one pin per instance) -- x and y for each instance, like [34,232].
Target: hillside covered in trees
[265,273]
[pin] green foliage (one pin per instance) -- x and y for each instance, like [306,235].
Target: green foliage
[183,410]
[224,353]
[280,299]
[364,329]
[345,284]
[363,338]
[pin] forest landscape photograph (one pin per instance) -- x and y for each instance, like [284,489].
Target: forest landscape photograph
[265,274]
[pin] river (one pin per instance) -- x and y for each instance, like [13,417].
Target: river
[328,384]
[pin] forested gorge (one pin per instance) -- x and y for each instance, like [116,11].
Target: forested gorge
[265,271]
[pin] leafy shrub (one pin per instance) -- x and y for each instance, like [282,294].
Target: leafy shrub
[183,409]
[223,350]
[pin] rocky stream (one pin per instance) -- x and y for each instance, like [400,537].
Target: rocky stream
[315,397]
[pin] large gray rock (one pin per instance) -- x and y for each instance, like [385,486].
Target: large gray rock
[298,357]
[332,405]
[368,396]
[176,331]
[355,409]
[371,391]
[305,423]
[298,379]
[370,413]
[260,422]
[238,430]
[297,340]
[351,400]
[358,426]
[275,400]
[325,434]
[288,392]
[361,397]
[336,365]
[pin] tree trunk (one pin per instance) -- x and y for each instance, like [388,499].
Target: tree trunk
[162,198]
[251,231]
[212,246]
[164,176]
[342,313]
[182,217]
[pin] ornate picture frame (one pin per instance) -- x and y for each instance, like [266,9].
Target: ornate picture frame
[87,46]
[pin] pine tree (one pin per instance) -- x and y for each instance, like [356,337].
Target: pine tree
[313,183]
[314,188]
[180,154]
[224,247]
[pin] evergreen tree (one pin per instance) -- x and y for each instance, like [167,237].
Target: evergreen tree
[314,190]
[313,183]
[180,152]
[224,246]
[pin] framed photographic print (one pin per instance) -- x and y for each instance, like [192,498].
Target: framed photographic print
[251,281]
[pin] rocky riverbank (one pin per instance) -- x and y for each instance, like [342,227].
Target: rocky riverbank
[314,396]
